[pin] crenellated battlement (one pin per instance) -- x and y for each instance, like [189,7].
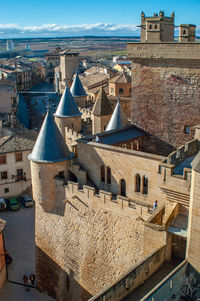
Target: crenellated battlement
[107,200]
[184,151]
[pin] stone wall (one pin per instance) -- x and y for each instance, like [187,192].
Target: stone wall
[193,246]
[165,89]
[131,280]
[124,164]
[92,244]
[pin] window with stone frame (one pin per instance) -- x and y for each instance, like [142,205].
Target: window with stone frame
[137,183]
[102,174]
[18,157]
[187,129]
[121,90]
[108,175]
[3,159]
[4,175]
[144,185]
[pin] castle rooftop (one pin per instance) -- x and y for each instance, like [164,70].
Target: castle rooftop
[50,145]
[77,89]
[67,106]
[102,105]
[118,119]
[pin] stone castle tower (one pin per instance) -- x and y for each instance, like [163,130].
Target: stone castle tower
[67,113]
[187,33]
[78,92]
[49,159]
[101,112]
[157,28]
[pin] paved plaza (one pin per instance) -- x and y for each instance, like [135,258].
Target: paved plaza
[20,244]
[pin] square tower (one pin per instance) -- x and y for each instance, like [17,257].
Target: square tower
[157,28]
[187,33]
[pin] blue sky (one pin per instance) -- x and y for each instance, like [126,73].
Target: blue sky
[78,17]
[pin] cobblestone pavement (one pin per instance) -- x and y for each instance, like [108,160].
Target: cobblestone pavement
[20,244]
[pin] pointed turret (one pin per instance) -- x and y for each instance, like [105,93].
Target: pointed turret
[101,112]
[118,119]
[67,113]
[50,145]
[49,161]
[78,92]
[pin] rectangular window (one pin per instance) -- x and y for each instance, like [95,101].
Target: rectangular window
[3,159]
[187,129]
[4,175]
[6,190]
[18,157]
[20,174]
[121,91]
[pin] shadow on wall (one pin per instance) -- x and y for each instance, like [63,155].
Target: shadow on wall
[54,281]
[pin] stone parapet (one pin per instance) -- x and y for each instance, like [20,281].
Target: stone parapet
[184,151]
[107,200]
[164,50]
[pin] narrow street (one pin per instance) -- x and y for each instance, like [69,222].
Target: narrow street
[33,105]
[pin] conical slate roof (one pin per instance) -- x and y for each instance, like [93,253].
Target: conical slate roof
[118,119]
[102,105]
[77,89]
[50,145]
[67,106]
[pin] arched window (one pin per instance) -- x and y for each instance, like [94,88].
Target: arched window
[145,185]
[108,175]
[102,174]
[184,31]
[137,182]
[155,26]
[150,27]
[123,187]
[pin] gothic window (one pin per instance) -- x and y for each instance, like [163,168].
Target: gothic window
[145,185]
[108,175]
[102,174]
[155,26]
[137,183]
[123,187]
[150,26]
[184,31]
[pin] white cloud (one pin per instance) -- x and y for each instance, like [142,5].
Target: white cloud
[98,28]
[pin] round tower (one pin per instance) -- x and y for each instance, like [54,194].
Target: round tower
[78,92]
[49,159]
[101,112]
[67,113]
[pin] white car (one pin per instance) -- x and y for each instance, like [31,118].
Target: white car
[2,204]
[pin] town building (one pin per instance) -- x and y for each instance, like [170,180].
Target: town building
[3,269]
[15,146]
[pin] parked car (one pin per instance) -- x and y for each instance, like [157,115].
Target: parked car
[26,200]
[13,203]
[2,204]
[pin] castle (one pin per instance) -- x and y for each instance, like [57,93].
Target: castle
[96,233]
